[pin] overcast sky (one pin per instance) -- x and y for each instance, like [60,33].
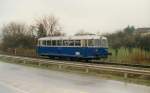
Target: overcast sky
[90,15]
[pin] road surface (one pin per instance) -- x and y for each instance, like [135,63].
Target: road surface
[22,79]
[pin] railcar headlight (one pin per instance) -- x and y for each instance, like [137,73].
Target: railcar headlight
[77,53]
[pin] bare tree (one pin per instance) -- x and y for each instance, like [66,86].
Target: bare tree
[49,25]
[17,35]
[14,29]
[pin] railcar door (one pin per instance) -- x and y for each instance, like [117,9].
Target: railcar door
[59,47]
[84,48]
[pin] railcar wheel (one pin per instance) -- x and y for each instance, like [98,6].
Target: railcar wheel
[86,60]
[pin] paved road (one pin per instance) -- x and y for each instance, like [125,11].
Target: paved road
[23,79]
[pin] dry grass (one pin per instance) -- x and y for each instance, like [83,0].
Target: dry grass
[21,52]
[136,56]
[139,56]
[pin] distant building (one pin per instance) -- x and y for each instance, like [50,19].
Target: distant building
[143,31]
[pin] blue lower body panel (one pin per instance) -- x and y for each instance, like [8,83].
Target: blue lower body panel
[73,52]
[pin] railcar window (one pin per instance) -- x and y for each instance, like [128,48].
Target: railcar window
[65,42]
[71,43]
[90,42]
[84,43]
[59,42]
[77,42]
[53,42]
[44,42]
[49,42]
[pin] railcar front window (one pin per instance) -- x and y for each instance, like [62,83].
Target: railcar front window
[104,43]
[97,42]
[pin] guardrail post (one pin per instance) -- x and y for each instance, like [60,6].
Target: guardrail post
[125,75]
[59,66]
[39,64]
[24,62]
[87,70]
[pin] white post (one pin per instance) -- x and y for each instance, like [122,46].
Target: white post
[87,70]
[59,66]
[125,75]
[24,61]
[39,64]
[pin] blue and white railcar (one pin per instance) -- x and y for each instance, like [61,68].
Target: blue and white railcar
[84,47]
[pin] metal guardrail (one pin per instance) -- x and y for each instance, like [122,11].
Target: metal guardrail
[87,66]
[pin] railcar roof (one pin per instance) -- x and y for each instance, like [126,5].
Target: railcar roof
[72,37]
